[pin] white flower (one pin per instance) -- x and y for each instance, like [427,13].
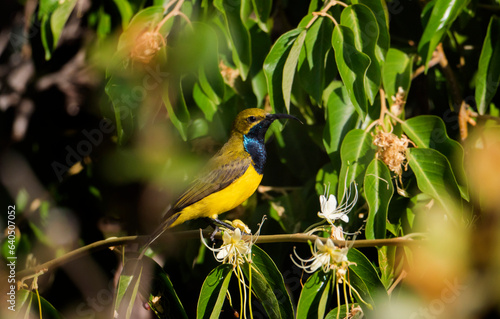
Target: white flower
[235,249]
[327,256]
[329,209]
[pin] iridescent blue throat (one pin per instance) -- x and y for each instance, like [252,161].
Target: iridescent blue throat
[253,142]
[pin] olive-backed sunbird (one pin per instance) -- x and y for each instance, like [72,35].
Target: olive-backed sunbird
[231,176]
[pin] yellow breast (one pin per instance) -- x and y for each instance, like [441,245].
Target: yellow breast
[224,200]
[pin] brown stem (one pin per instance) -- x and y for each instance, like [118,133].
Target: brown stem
[175,11]
[434,61]
[401,276]
[450,76]
[383,108]
[324,13]
[295,238]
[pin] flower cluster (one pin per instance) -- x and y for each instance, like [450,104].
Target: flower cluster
[326,255]
[236,250]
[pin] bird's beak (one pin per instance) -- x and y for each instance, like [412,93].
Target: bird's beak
[273,117]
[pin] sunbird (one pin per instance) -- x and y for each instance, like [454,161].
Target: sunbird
[231,176]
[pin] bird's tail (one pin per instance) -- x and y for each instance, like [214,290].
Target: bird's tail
[166,223]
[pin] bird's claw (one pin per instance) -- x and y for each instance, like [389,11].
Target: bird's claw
[216,230]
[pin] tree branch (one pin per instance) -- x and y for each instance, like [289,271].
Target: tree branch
[193,234]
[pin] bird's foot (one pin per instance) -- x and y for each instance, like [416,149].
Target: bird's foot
[216,230]
[219,225]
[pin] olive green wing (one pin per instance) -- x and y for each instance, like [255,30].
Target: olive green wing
[219,174]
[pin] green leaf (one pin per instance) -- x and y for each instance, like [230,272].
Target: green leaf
[341,117]
[352,65]
[213,292]
[356,152]
[379,9]
[28,305]
[46,36]
[209,76]
[434,176]
[313,6]
[312,62]
[442,17]
[273,68]
[339,312]
[386,260]
[378,193]
[22,199]
[397,72]
[314,295]
[246,9]
[180,115]
[195,51]
[428,131]
[488,72]
[361,20]
[268,285]
[125,10]
[59,18]
[239,36]
[364,278]
[417,204]
[327,177]
[104,24]
[56,16]
[262,10]
[128,287]
[290,67]
[261,44]
[46,7]
[162,299]
[117,90]
[204,102]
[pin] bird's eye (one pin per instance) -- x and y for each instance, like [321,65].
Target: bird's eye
[251,119]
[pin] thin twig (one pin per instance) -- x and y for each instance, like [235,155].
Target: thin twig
[77,253]
[194,234]
[397,119]
[324,13]
[450,76]
[434,61]
[175,11]
[383,111]
[372,124]
[401,276]
[383,108]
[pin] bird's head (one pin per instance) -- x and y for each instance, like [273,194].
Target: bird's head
[256,121]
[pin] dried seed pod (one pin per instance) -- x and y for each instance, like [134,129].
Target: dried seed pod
[392,151]
[147,46]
